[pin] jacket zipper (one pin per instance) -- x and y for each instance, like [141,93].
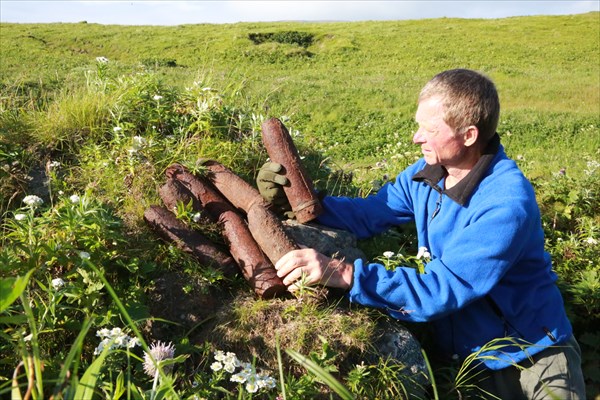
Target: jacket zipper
[438,205]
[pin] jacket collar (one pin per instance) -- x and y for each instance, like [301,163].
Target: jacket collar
[461,192]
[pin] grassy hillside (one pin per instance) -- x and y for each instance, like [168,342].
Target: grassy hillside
[355,84]
[92,115]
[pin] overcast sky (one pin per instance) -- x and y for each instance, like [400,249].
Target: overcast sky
[193,12]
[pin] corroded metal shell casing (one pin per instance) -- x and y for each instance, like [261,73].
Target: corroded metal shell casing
[255,266]
[266,228]
[281,149]
[173,192]
[172,230]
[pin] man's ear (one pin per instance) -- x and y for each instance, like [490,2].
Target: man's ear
[470,135]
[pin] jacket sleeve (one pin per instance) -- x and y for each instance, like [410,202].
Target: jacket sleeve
[501,234]
[366,217]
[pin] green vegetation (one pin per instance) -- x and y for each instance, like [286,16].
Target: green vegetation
[91,115]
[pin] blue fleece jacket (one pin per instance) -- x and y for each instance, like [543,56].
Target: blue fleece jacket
[489,276]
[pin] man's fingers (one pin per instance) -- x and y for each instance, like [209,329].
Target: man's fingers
[294,276]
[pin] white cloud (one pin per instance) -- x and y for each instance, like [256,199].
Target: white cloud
[188,12]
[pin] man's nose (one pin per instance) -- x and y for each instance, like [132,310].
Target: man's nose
[418,137]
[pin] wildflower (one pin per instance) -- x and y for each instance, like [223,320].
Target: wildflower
[265,381]
[115,338]
[139,142]
[102,60]
[74,199]
[84,255]
[388,254]
[251,385]
[157,97]
[216,366]
[591,241]
[116,331]
[592,166]
[103,332]
[53,165]
[159,352]
[57,283]
[117,129]
[423,253]
[240,377]
[196,217]
[20,217]
[33,200]
[229,360]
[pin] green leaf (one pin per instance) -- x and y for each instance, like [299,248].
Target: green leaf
[119,386]
[170,361]
[13,319]
[11,289]
[85,388]
[322,374]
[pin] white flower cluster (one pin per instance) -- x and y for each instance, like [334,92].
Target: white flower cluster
[423,253]
[33,201]
[58,283]
[247,375]
[592,167]
[138,143]
[20,217]
[197,217]
[102,60]
[115,338]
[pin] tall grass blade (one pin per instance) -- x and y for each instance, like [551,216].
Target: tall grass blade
[431,377]
[322,374]
[75,350]
[85,388]
[280,367]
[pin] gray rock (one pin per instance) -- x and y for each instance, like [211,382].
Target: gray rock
[399,344]
[328,241]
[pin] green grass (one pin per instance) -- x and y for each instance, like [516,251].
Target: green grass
[348,97]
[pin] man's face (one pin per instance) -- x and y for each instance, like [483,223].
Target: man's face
[438,141]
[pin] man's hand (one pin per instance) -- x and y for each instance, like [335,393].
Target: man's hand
[314,268]
[270,184]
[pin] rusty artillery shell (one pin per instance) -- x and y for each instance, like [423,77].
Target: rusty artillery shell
[172,230]
[173,192]
[266,228]
[256,268]
[300,192]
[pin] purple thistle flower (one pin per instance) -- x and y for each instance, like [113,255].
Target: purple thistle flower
[160,352]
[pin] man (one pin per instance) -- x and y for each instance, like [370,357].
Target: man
[489,277]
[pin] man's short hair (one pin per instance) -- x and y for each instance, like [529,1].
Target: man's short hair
[470,98]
